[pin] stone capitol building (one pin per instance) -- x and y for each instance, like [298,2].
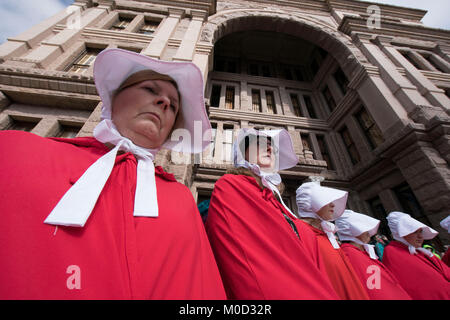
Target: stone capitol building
[362,88]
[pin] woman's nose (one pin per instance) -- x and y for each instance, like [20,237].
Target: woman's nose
[163,102]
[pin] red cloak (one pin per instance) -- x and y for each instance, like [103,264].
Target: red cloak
[257,250]
[115,255]
[446,257]
[388,287]
[424,278]
[339,269]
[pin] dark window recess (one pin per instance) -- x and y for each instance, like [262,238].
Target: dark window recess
[380,213]
[219,64]
[411,60]
[253,69]
[341,80]
[310,107]
[296,105]
[21,125]
[215,96]
[329,98]
[324,151]
[370,128]
[408,201]
[350,146]
[256,101]
[68,131]
[270,101]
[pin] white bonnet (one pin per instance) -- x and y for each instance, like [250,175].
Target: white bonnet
[446,224]
[353,224]
[311,197]
[402,224]
[280,139]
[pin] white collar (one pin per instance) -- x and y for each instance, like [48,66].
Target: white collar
[269,179]
[412,249]
[369,248]
[75,207]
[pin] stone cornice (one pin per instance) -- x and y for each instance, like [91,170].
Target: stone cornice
[208,6]
[351,24]
[48,80]
[267,119]
[343,109]
[386,9]
[121,36]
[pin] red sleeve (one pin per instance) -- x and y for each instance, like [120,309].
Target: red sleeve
[378,281]
[423,278]
[258,253]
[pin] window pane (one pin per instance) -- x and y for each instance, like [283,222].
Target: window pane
[371,130]
[227,143]
[68,131]
[305,142]
[149,27]
[296,105]
[229,98]
[256,101]
[84,61]
[21,125]
[271,108]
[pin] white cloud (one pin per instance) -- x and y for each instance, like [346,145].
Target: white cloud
[17,16]
[437,15]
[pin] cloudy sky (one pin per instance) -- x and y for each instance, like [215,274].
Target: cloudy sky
[17,16]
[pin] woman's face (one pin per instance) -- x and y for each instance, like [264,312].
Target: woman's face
[415,239]
[146,112]
[261,154]
[326,212]
[364,237]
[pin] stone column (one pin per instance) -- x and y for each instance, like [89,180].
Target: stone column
[285,105]
[46,127]
[49,50]
[296,141]
[218,154]
[426,87]
[384,91]
[245,102]
[18,45]
[134,25]
[163,34]
[187,48]
[428,175]
[389,200]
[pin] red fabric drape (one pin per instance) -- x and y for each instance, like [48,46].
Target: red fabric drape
[116,255]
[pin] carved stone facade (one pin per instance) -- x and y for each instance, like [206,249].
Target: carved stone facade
[367,108]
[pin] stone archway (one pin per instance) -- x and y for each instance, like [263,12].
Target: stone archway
[299,25]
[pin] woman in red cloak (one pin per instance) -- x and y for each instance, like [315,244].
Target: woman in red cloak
[446,225]
[420,272]
[260,251]
[317,207]
[357,229]
[92,218]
